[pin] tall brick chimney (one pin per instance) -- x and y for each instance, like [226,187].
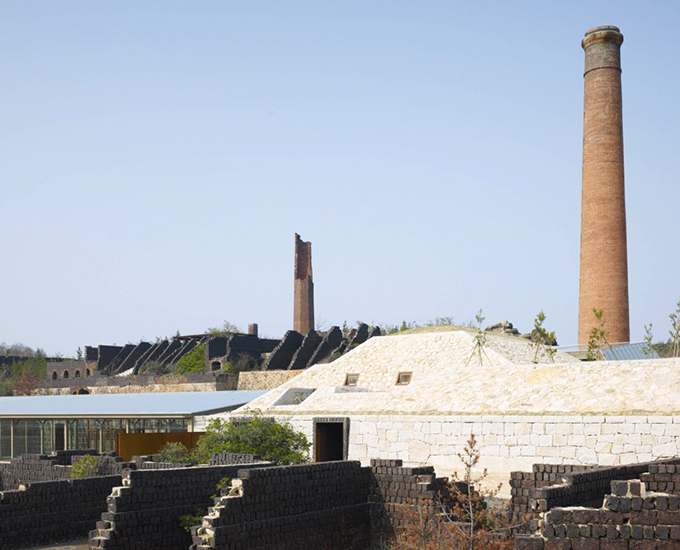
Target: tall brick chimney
[303,307]
[604,263]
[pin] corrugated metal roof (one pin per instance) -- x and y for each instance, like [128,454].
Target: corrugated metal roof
[125,405]
[628,352]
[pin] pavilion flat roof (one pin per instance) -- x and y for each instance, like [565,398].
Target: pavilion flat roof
[125,405]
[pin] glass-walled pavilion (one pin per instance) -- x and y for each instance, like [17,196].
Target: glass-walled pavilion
[45,424]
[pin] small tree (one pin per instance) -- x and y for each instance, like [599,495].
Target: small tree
[262,436]
[541,339]
[480,341]
[648,347]
[674,332]
[88,466]
[598,338]
[461,519]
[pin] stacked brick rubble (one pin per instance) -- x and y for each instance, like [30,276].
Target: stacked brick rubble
[663,478]
[50,511]
[552,488]
[31,467]
[323,505]
[144,513]
[394,488]
[631,518]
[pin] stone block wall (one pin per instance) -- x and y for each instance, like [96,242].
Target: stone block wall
[51,511]
[630,519]
[144,513]
[507,443]
[323,505]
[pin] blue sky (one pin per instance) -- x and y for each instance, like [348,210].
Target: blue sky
[157,157]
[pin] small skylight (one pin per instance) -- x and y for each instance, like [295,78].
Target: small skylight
[351,379]
[404,378]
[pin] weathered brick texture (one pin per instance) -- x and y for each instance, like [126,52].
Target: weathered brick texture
[549,486]
[630,519]
[303,306]
[52,511]
[604,264]
[144,513]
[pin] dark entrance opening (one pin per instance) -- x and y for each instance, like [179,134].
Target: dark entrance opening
[330,443]
[58,437]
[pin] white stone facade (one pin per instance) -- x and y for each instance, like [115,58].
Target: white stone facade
[507,443]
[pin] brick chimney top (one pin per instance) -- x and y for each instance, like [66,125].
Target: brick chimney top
[606,33]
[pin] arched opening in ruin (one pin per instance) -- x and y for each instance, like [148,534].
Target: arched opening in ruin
[83,391]
[65,374]
[87,372]
[55,375]
[77,375]
[216,365]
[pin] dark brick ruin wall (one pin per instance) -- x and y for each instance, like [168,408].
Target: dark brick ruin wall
[630,519]
[331,505]
[323,505]
[30,468]
[549,486]
[145,512]
[663,478]
[50,511]
[394,489]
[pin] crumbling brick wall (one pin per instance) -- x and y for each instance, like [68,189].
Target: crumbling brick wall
[630,519]
[323,505]
[394,489]
[31,467]
[144,513]
[52,511]
[553,488]
[663,477]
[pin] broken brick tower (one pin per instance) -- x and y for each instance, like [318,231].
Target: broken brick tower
[604,262]
[303,307]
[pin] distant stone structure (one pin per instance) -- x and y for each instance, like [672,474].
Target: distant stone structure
[303,306]
[604,263]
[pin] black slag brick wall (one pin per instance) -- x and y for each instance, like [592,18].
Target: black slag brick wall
[52,511]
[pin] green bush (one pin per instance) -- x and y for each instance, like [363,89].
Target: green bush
[262,436]
[88,466]
[194,361]
[176,453]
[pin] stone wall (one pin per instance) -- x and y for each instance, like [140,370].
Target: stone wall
[507,442]
[323,505]
[630,519]
[144,513]
[50,511]
[264,380]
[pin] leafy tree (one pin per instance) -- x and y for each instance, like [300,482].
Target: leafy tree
[227,329]
[194,361]
[25,376]
[262,436]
